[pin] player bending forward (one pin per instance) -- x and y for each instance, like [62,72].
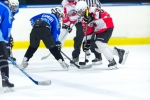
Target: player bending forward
[46,27]
[103,26]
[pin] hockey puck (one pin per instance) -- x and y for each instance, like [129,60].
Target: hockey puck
[82,63]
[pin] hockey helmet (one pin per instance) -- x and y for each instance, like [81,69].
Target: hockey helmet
[81,7]
[13,4]
[57,11]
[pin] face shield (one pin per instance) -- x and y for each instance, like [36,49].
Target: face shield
[81,12]
[14,8]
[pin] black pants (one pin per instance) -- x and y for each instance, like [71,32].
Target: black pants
[105,36]
[41,31]
[93,46]
[78,40]
[3,59]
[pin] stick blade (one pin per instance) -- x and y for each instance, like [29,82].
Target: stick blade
[44,57]
[44,83]
[85,66]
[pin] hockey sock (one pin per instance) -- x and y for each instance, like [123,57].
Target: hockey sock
[30,52]
[103,48]
[56,53]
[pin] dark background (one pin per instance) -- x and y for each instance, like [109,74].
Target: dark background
[47,2]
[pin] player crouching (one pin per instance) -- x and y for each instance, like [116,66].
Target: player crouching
[46,27]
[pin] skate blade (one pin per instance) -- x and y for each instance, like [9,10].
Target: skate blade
[97,63]
[125,57]
[85,66]
[8,89]
[113,67]
[66,68]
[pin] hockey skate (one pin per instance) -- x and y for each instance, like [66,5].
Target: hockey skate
[112,65]
[122,55]
[75,60]
[7,86]
[63,64]
[96,61]
[24,63]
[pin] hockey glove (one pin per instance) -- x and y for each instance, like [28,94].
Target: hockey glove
[66,27]
[86,46]
[89,18]
[58,45]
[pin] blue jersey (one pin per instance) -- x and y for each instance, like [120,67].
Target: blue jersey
[53,22]
[5,22]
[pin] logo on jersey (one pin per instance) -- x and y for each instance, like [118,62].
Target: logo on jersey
[100,39]
[48,17]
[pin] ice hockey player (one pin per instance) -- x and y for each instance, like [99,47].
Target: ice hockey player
[98,58]
[14,10]
[103,26]
[5,27]
[71,18]
[46,27]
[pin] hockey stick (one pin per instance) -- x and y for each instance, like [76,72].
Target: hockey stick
[86,60]
[79,67]
[44,83]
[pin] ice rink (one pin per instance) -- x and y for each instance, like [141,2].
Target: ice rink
[130,82]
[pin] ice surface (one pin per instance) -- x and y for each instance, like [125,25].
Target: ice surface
[130,82]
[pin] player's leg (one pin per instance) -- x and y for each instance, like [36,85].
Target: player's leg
[101,42]
[98,57]
[4,68]
[77,43]
[50,44]
[34,44]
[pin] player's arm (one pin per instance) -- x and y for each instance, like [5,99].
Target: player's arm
[6,25]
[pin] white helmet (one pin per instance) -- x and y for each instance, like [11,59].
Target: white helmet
[57,11]
[14,4]
[81,6]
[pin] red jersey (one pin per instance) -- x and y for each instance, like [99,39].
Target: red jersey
[70,13]
[102,21]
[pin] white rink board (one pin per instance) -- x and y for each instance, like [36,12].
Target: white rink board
[129,21]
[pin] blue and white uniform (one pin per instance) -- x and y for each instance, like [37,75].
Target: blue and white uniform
[5,22]
[53,22]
